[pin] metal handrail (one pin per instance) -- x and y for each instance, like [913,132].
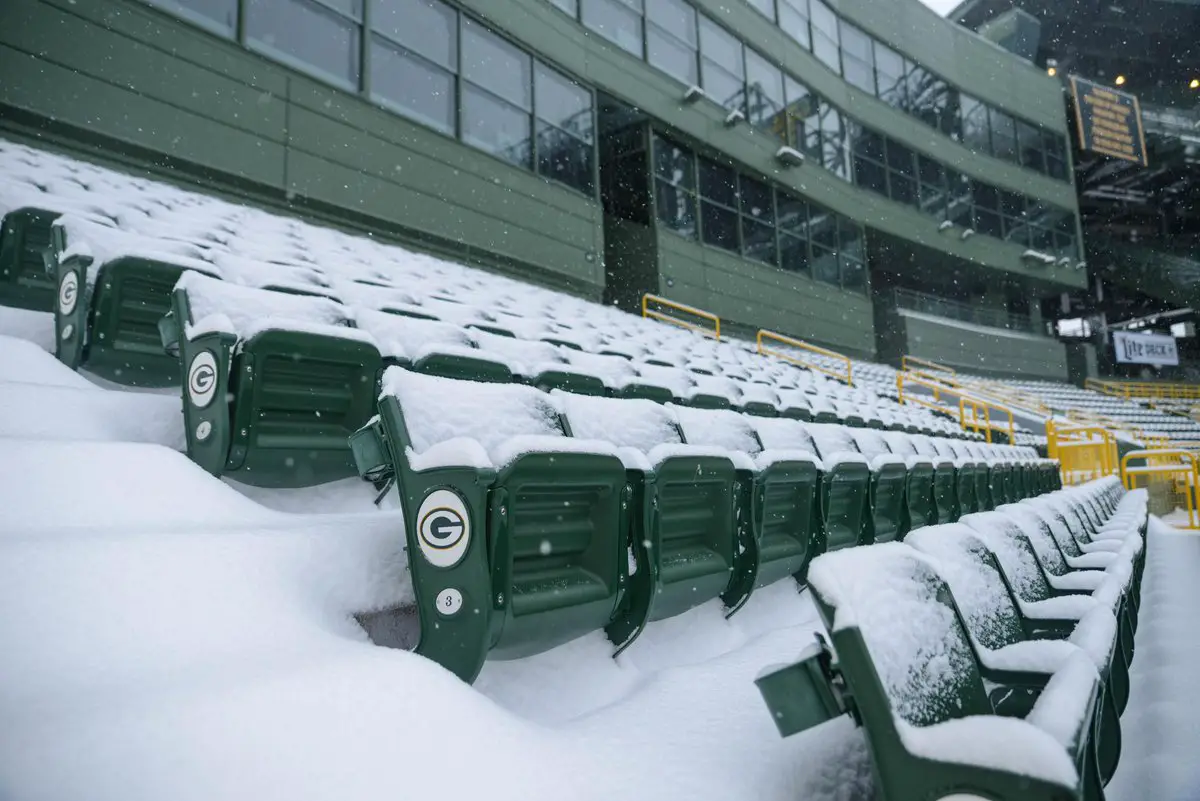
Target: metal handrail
[932,365]
[647,312]
[847,376]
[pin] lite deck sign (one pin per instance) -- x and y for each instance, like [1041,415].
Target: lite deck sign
[1145,348]
[1109,122]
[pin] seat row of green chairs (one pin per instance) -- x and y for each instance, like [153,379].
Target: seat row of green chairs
[536,517]
[274,378]
[987,658]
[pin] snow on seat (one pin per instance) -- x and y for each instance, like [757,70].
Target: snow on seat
[778,498]
[517,532]
[1010,656]
[915,685]
[436,348]
[684,523]
[274,383]
[113,288]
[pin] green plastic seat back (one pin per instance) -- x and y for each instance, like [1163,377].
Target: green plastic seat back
[694,499]
[920,653]
[888,492]
[980,590]
[463,367]
[1014,552]
[131,295]
[845,497]
[945,493]
[569,381]
[785,515]
[24,281]
[297,398]
[557,548]
[965,486]
[706,401]
[647,392]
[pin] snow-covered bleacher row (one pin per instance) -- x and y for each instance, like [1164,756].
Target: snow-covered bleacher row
[1136,414]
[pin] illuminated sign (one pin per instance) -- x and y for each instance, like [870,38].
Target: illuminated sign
[1109,122]
[1134,348]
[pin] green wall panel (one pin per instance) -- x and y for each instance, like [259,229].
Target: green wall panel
[984,350]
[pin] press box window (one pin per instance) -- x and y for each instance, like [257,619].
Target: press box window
[618,21]
[322,38]
[497,95]
[565,130]
[675,186]
[414,58]
[671,39]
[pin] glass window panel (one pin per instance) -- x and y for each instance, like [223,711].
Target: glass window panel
[869,145]
[792,215]
[825,266]
[833,143]
[1029,141]
[676,208]
[764,7]
[495,126]
[855,43]
[801,109]
[308,33]
[899,158]
[616,22]
[1004,135]
[764,98]
[561,101]
[675,17]
[975,129]
[722,87]
[719,226]
[758,241]
[902,188]
[850,236]
[793,20]
[718,183]
[569,6]
[721,47]
[494,64]
[949,122]
[793,253]
[674,163]
[757,200]
[854,275]
[889,76]
[858,73]
[985,196]
[412,85]
[671,56]
[870,175]
[958,205]
[427,27]
[932,188]
[219,15]
[824,24]
[565,158]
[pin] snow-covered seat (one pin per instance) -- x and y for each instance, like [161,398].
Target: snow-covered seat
[845,495]
[113,288]
[908,671]
[517,533]
[274,383]
[1004,637]
[683,521]
[777,498]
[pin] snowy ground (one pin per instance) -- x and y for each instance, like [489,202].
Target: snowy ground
[170,636]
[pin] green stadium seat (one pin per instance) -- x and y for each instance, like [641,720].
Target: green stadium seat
[25,282]
[684,505]
[919,499]
[993,616]
[908,672]
[517,534]
[845,492]
[112,292]
[777,498]
[889,476]
[274,384]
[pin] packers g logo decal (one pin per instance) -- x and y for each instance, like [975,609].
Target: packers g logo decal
[202,379]
[443,528]
[68,293]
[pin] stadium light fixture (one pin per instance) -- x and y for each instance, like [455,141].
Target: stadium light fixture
[1120,80]
[1194,83]
[1051,71]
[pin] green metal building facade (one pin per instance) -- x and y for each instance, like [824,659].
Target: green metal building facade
[796,165]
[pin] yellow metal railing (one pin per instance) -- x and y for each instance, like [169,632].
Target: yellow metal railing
[1170,476]
[1083,452]
[904,382]
[906,360]
[657,314]
[980,417]
[766,350]
[1144,389]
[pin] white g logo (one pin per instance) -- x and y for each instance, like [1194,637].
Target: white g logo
[202,379]
[443,528]
[68,293]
